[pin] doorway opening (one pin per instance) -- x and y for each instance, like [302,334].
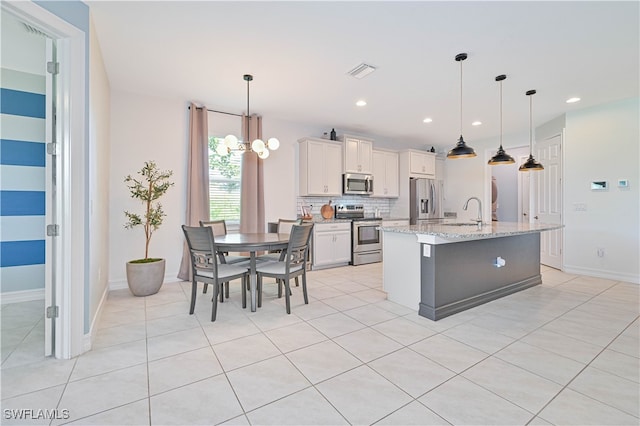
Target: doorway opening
[510,195]
[27,191]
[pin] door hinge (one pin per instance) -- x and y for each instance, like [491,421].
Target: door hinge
[53,230]
[53,67]
[52,148]
[52,311]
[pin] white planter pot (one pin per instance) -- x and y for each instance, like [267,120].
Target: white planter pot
[145,279]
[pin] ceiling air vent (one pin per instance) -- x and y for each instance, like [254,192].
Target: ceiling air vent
[361,70]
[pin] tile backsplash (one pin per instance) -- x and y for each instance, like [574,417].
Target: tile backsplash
[370,204]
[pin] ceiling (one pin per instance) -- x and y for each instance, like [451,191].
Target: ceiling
[300,52]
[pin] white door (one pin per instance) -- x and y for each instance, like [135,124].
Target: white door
[549,199]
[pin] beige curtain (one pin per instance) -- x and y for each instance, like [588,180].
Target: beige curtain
[197,179]
[252,192]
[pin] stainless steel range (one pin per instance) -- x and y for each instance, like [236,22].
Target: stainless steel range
[366,246]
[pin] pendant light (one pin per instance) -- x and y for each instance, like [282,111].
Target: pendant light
[531,164]
[461,149]
[231,142]
[501,157]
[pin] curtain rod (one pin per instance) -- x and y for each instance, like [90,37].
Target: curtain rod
[219,112]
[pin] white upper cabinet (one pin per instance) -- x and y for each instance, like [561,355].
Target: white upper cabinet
[358,155]
[320,167]
[385,174]
[422,163]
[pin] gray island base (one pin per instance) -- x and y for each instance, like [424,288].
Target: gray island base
[441,269]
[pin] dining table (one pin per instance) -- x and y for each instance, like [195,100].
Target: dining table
[252,243]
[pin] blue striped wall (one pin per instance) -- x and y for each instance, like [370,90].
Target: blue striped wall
[22,181]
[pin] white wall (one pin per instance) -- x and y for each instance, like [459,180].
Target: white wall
[99,169]
[603,144]
[143,129]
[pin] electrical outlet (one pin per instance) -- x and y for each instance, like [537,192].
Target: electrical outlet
[600,251]
[579,207]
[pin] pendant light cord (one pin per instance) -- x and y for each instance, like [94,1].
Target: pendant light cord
[530,126]
[500,113]
[460,98]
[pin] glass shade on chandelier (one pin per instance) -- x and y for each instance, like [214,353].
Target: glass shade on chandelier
[501,156]
[461,150]
[531,165]
[231,143]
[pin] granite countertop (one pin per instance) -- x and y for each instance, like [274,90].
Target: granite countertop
[320,219]
[449,231]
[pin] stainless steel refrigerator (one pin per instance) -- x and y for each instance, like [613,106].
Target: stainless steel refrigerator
[425,200]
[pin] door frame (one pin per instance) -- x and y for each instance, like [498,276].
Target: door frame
[70,267]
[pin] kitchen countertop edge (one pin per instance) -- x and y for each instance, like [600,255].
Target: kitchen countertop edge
[452,232]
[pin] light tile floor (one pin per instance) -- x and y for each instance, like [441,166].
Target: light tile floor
[565,352]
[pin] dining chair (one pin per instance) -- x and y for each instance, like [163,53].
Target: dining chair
[202,249]
[284,227]
[219,227]
[293,265]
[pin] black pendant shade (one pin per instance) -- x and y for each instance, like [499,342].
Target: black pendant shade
[461,149]
[531,165]
[501,156]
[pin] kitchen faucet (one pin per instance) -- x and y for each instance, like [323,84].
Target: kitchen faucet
[479,219]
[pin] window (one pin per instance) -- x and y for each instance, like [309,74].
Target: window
[224,185]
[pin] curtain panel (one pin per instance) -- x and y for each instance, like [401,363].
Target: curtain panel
[197,179]
[252,192]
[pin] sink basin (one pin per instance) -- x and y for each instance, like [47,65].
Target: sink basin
[461,224]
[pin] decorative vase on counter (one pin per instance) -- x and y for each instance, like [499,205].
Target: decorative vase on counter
[333,135]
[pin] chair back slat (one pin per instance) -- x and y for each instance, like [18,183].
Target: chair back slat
[285,225]
[298,245]
[219,226]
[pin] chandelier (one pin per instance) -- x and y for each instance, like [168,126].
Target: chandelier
[231,143]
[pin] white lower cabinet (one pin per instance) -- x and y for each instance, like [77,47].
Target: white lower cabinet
[331,244]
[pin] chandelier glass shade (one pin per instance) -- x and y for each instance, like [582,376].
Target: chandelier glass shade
[232,144]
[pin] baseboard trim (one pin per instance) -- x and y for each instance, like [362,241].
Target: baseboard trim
[599,273]
[89,338]
[22,296]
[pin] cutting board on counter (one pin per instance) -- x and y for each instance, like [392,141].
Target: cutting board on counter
[327,211]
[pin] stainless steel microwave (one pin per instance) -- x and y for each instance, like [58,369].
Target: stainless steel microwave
[359,184]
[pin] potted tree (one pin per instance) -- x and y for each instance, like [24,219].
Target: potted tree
[145,276]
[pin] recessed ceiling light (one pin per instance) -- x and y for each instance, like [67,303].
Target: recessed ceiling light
[361,103]
[476,123]
[427,120]
[572,100]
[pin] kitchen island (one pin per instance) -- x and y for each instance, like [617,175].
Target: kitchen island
[445,268]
